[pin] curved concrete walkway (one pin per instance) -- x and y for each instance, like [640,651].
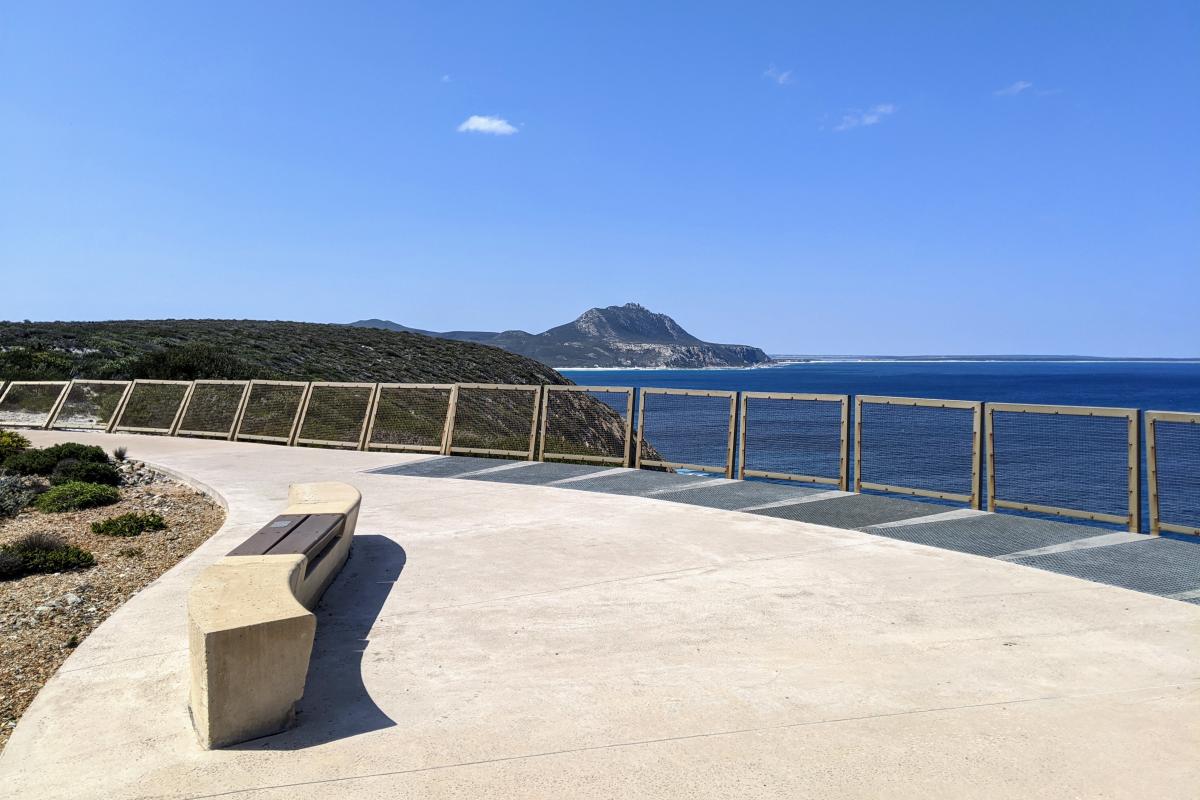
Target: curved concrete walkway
[505,640]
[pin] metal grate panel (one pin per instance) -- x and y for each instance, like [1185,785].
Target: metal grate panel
[686,429]
[90,405]
[1064,460]
[31,404]
[495,420]
[740,494]
[272,411]
[988,535]
[924,448]
[537,474]
[587,423]
[213,408]
[800,437]
[855,511]
[1155,566]
[336,414]
[1173,457]
[638,483]
[445,467]
[153,406]
[411,417]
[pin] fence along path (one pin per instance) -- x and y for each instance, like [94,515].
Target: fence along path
[1076,462]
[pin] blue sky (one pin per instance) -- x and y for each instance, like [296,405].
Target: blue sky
[834,178]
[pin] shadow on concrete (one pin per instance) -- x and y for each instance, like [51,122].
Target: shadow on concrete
[336,704]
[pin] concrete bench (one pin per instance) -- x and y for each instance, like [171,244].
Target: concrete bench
[250,620]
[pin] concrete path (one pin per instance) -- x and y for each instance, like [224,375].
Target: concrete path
[1165,566]
[512,640]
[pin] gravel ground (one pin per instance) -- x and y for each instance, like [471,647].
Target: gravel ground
[43,617]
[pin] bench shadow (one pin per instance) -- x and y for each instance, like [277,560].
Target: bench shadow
[336,704]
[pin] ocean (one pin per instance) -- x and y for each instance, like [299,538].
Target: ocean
[1123,384]
[1073,462]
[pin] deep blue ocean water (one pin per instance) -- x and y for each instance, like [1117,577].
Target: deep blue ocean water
[1147,386]
[1072,462]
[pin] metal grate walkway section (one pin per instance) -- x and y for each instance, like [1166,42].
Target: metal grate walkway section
[1155,565]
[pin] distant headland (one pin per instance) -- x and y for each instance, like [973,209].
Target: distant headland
[615,337]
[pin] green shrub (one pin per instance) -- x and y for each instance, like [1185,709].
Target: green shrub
[77,495]
[130,524]
[40,553]
[31,462]
[79,452]
[43,462]
[70,469]
[119,453]
[11,443]
[11,565]
[16,493]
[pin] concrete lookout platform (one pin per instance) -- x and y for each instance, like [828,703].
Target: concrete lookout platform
[490,639]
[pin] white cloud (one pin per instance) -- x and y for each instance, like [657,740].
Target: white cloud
[1014,89]
[783,78]
[446,78]
[872,116]
[496,126]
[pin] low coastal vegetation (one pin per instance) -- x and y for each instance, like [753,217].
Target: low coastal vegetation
[65,557]
[40,553]
[76,496]
[134,523]
[240,349]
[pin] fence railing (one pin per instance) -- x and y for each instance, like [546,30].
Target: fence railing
[795,437]
[695,434]
[1173,442]
[494,419]
[412,417]
[31,404]
[918,447]
[214,409]
[1066,461]
[591,424]
[91,405]
[1093,451]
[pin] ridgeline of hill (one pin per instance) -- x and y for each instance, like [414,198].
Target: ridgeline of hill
[236,349]
[617,336]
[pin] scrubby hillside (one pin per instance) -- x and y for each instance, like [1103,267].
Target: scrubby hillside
[210,348]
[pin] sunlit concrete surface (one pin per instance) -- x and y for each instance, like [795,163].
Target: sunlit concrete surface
[506,640]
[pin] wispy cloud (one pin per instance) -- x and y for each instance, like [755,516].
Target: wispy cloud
[1013,89]
[446,78]
[860,119]
[496,126]
[781,77]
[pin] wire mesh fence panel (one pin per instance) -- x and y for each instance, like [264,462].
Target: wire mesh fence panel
[90,405]
[795,437]
[30,404]
[336,414]
[153,406]
[686,429]
[271,412]
[213,408]
[1064,460]
[591,424]
[924,448]
[1173,457]
[410,417]
[495,420]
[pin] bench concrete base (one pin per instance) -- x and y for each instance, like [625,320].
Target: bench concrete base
[251,628]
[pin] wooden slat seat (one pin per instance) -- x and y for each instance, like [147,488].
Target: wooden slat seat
[309,535]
